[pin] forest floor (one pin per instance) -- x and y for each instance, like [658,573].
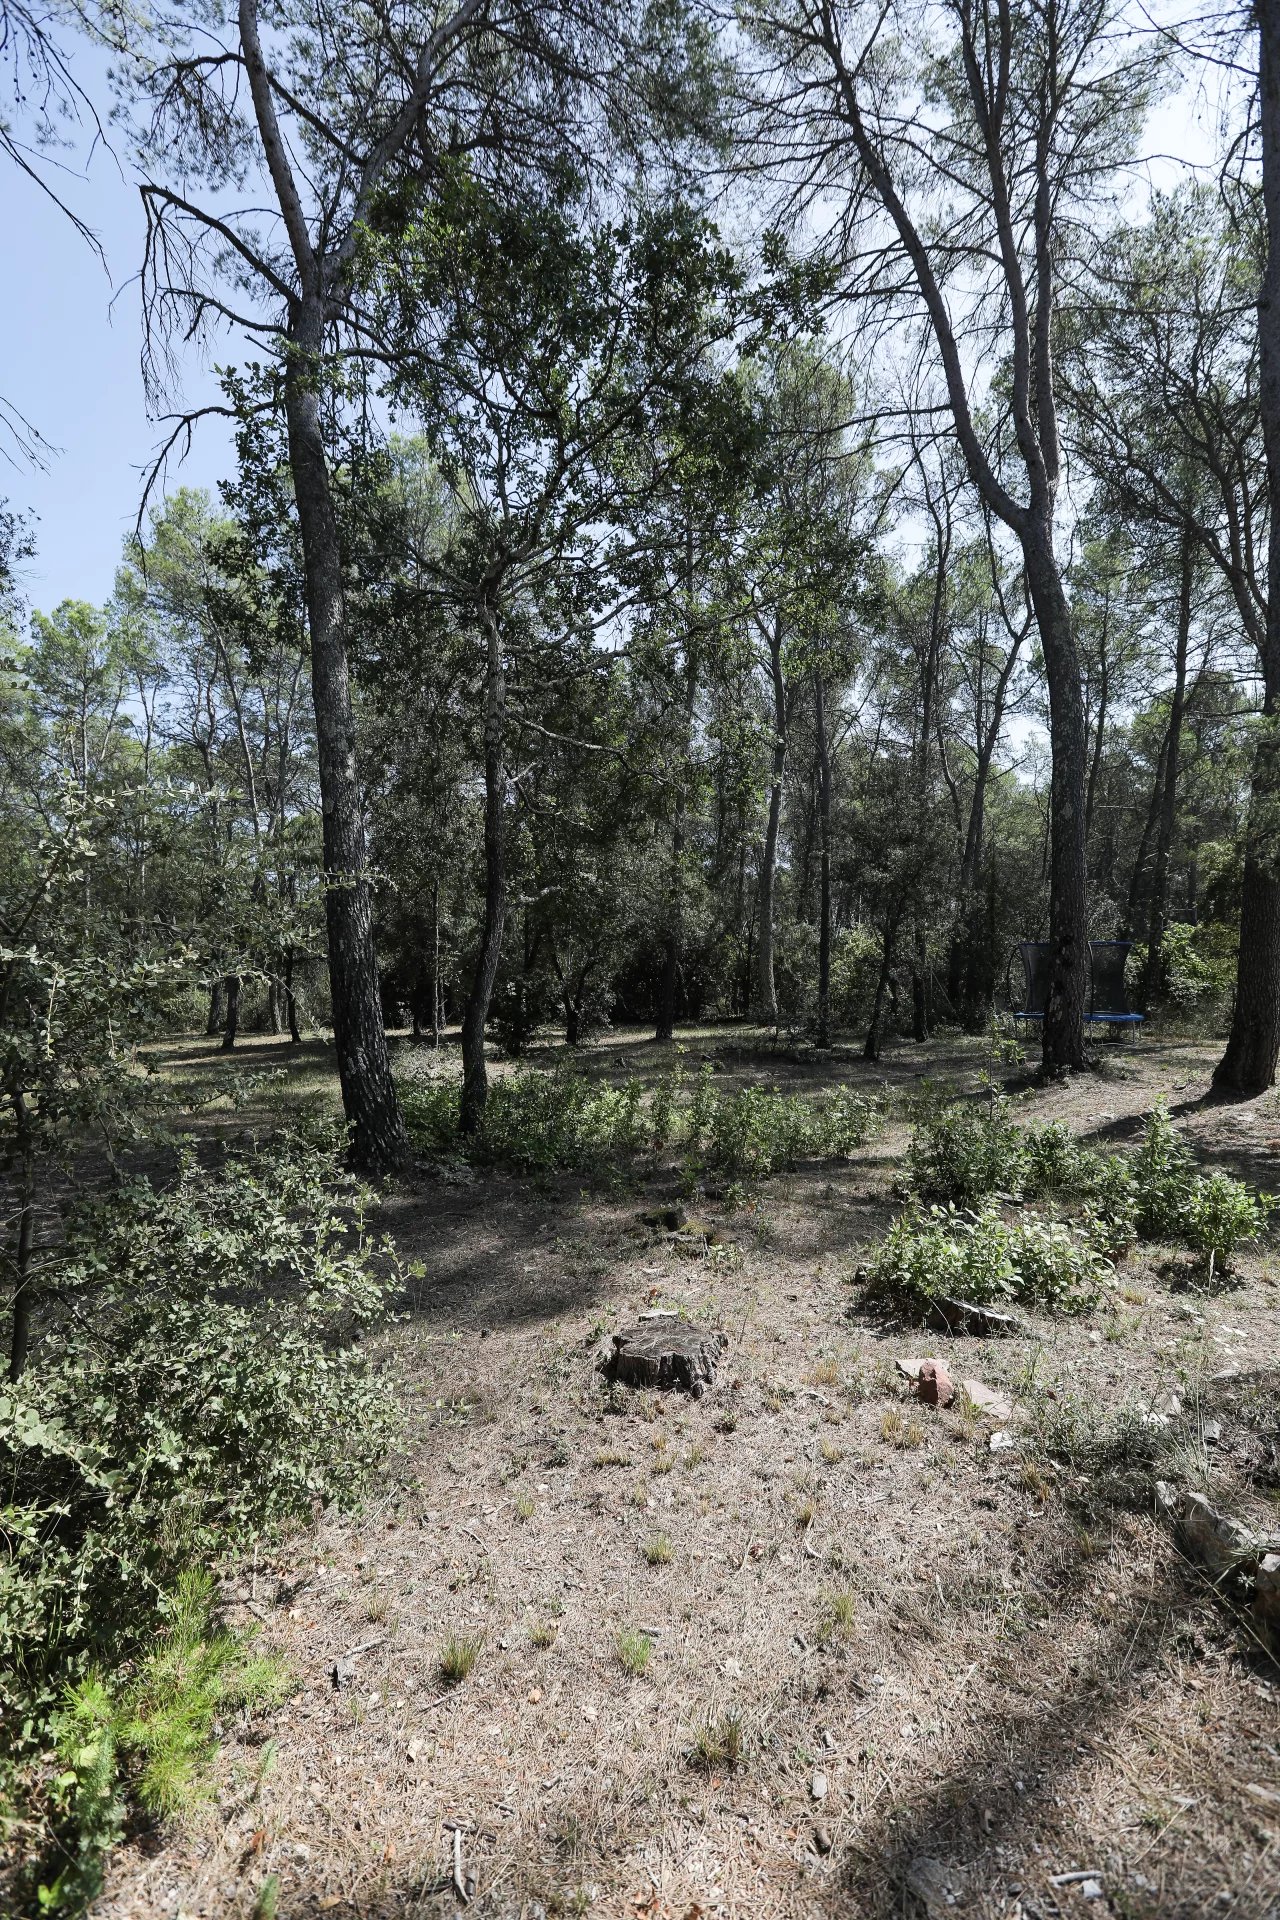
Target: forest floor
[996,1662]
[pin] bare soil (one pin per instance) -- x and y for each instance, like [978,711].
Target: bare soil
[993,1660]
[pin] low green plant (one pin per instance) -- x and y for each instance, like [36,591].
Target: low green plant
[146,1739]
[1163,1169]
[975,1256]
[457,1657]
[202,1384]
[965,1152]
[1218,1215]
[717,1745]
[633,1648]
[1213,1214]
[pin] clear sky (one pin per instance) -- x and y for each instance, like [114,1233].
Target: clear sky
[70,361]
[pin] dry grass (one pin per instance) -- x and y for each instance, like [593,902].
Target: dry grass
[993,1658]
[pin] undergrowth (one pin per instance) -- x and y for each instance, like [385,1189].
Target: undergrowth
[967,1154]
[196,1382]
[541,1121]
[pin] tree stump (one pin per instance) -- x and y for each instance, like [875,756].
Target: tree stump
[666,1352]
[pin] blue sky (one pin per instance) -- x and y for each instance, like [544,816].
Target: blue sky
[69,359]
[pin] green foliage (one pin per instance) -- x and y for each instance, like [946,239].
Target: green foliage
[537,1121]
[148,1738]
[977,1257]
[1163,1169]
[966,1151]
[202,1384]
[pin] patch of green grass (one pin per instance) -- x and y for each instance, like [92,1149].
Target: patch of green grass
[525,1506]
[657,1550]
[633,1648]
[457,1657]
[837,1612]
[717,1745]
[543,1633]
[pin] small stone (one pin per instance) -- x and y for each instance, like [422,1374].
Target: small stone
[1091,1889]
[818,1786]
[533,1696]
[1000,1440]
[934,1385]
[822,1840]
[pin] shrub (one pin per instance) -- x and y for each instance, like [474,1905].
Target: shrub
[1163,1169]
[1054,1266]
[197,1382]
[966,1152]
[944,1253]
[1212,1214]
[976,1257]
[537,1121]
[147,1738]
[1217,1215]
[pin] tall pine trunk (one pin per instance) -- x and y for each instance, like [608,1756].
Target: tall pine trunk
[1063,1036]
[824,869]
[1249,1064]
[1168,814]
[378,1139]
[766,989]
[475,1082]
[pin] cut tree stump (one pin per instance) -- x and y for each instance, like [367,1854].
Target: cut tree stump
[666,1351]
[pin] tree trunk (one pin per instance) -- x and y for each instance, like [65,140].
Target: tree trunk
[291,998]
[20,1334]
[1249,1064]
[1063,1037]
[475,1083]
[233,1012]
[217,1013]
[378,1139]
[766,990]
[824,867]
[1154,972]
[871,1050]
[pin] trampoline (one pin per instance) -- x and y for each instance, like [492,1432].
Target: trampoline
[1108,1002]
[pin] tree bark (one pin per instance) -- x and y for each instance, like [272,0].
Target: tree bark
[871,1049]
[1154,971]
[217,1013]
[1063,1040]
[378,1139]
[1249,1064]
[475,1083]
[824,863]
[766,989]
[232,1027]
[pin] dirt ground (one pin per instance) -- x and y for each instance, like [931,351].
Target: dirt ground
[971,1680]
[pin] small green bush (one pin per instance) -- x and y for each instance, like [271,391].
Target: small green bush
[977,1257]
[1212,1214]
[965,1152]
[147,1739]
[1218,1215]
[1163,1169]
[537,1121]
[197,1381]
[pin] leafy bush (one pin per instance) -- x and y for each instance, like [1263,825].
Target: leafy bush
[977,1257]
[1163,1169]
[1218,1215]
[197,1381]
[1055,1266]
[754,1132]
[1212,1214]
[537,1121]
[966,1152]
